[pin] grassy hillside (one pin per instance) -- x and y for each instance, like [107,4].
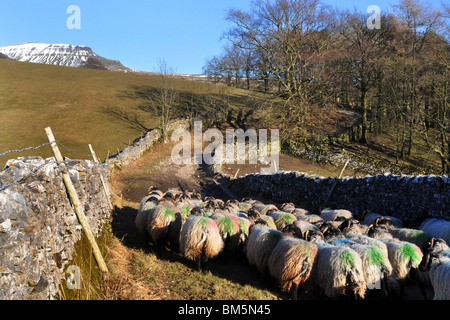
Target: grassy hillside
[84,106]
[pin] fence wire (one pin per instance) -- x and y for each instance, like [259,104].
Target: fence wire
[25,149]
[20,179]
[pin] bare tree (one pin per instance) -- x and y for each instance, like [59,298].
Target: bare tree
[285,31]
[166,95]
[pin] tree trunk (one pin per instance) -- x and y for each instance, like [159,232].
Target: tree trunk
[363,138]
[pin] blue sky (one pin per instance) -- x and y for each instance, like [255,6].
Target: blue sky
[137,32]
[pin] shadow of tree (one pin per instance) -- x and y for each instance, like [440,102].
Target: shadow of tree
[211,108]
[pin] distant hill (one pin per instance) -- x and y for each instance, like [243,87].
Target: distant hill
[87,106]
[61,55]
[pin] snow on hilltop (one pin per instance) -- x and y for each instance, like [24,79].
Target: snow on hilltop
[60,54]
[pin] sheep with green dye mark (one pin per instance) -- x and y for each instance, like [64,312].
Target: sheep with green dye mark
[200,240]
[436,262]
[229,229]
[260,244]
[437,228]
[376,265]
[391,284]
[146,208]
[291,262]
[418,237]
[282,219]
[164,225]
[339,271]
[244,231]
[253,214]
[405,258]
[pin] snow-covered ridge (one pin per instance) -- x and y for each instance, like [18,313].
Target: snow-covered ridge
[57,54]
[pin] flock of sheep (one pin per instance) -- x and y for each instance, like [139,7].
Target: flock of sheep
[331,253]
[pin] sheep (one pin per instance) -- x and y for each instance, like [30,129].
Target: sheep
[260,244]
[290,208]
[338,270]
[436,261]
[418,237]
[350,227]
[282,219]
[265,208]
[330,233]
[253,214]
[405,258]
[392,287]
[376,265]
[309,231]
[291,262]
[378,232]
[378,219]
[164,225]
[287,206]
[173,193]
[200,240]
[312,218]
[437,228]
[244,230]
[337,214]
[146,208]
[212,204]
[229,229]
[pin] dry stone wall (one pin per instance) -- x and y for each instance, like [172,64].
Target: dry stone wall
[38,226]
[412,198]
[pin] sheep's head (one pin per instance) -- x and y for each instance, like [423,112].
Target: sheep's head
[287,206]
[384,222]
[376,231]
[349,225]
[313,236]
[196,211]
[431,251]
[292,230]
[328,230]
[253,214]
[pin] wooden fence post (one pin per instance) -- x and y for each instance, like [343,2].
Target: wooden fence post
[76,202]
[94,156]
[335,183]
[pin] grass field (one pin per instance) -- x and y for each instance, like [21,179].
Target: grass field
[84,106]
